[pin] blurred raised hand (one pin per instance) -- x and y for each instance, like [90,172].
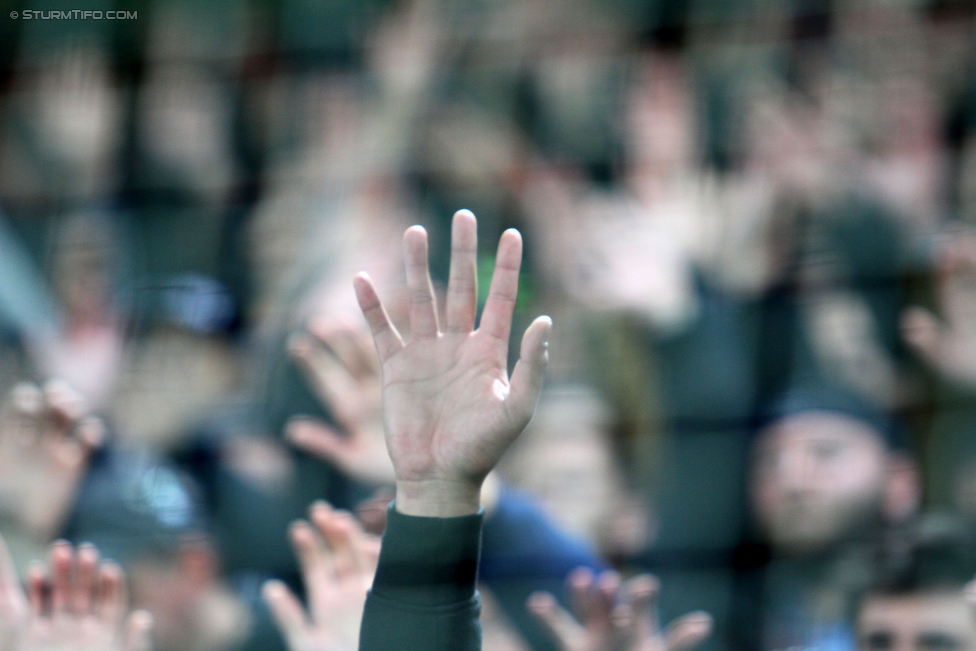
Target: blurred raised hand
[338,561]
[450,408]
[340,363]
[615,616]
[75,603]
[949,343]
[46,440]
[609,252]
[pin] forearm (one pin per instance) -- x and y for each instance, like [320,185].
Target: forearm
[424,597]
[450,411]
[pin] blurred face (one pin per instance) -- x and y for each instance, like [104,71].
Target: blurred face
[191,609]
[660,117]
[917,622]
[573,480]
[817,477]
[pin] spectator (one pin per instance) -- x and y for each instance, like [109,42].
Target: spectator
[923,601]
[829,476]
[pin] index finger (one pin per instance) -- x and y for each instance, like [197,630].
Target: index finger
[385,335]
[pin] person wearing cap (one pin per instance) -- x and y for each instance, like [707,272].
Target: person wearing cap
[146,516]
[923,599]
[830,478]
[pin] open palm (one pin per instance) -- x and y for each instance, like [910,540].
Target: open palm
[615,616]
[338,561]
[450,408]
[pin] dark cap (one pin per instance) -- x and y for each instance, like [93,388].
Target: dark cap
[133,508]
[836,400]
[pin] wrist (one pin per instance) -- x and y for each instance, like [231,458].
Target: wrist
[438,498]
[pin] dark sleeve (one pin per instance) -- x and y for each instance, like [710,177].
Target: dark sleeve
[424,596]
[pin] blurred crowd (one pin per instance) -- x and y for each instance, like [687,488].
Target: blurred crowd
[753,223]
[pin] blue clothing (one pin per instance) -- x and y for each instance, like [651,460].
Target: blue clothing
[524,551]
[520,541]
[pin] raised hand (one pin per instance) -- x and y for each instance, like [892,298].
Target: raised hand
[450,409]
[341,365]
[615,617]
[76,603]
[338,561]
[949,344]
[46,439]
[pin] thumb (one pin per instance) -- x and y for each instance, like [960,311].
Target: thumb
[923,332]
[530,370]
[286,610]
[317,438]
[688,631]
